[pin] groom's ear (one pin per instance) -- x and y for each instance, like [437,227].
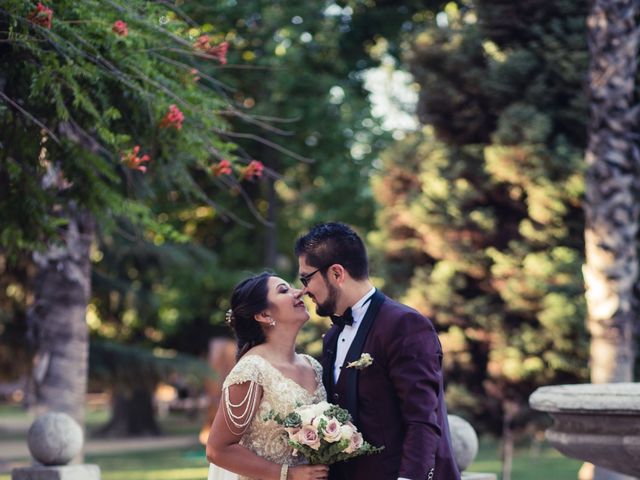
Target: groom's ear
[337,273]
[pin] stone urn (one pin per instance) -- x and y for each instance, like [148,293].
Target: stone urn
[597,423]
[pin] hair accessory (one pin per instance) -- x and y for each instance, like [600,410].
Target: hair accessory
[229,316]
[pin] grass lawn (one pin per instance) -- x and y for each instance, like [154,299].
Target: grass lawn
[176,464]
[190,464]
[548,464]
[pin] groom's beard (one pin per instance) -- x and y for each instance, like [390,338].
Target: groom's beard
[328,307]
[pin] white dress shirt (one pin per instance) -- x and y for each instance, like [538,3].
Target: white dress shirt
[345,339]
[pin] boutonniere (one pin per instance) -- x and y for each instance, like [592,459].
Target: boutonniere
[364,361]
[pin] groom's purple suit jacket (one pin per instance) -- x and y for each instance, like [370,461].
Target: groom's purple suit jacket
[396,402]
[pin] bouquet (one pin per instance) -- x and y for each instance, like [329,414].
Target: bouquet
[323,433]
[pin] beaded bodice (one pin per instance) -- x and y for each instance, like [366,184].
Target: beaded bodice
[281,395]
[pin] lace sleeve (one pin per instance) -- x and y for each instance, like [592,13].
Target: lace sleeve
[246,370]
[242,391]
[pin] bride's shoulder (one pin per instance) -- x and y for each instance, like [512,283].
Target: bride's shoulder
[251,360]
[249,368]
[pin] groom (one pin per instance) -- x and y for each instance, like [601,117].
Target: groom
[397,399]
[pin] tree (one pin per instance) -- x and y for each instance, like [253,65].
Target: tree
[612,185]
[131,374]
[611,203]
[297,70]
[151,291]
[482,223]
[101,112]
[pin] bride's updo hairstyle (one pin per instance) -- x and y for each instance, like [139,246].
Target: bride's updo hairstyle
[247,300]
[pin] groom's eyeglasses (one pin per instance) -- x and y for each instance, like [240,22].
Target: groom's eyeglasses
[304,279]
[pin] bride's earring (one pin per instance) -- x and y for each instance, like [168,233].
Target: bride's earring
[272,323]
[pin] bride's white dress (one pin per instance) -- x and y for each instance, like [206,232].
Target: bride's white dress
[279,394]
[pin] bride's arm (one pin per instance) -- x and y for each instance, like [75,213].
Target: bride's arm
[237,408]
[236,411]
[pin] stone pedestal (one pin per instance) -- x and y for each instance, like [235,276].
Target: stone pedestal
[597,423]
[464,442]
[65,472]
[54,439]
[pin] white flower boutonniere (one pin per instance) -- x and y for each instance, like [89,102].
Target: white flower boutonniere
[364,361]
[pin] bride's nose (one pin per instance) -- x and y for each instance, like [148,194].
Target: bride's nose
[297,292]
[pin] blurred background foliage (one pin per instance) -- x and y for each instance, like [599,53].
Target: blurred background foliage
[473,214]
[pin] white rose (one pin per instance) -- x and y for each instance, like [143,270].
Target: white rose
[306,415]
[316,420]
[321,407]
[346,432]
[332,432]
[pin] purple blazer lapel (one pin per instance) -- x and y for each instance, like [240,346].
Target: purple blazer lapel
[355,350]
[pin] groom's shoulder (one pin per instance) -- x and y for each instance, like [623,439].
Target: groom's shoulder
[395,312]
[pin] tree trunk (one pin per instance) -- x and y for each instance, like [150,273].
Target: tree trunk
[132,415]
[57,325]
[611,204]
[510,409]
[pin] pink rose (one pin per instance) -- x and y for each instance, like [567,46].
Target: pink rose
[332,431]
[355,443]
[308,435]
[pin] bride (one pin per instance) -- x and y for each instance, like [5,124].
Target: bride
[266,314]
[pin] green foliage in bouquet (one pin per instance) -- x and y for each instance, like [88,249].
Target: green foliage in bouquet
[323,433]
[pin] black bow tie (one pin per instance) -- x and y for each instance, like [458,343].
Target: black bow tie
[345,319]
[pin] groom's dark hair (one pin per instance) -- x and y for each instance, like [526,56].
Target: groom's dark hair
[329,243]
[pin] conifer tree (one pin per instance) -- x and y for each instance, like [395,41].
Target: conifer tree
[482,224]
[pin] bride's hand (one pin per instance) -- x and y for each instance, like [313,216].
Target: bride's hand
[308,472]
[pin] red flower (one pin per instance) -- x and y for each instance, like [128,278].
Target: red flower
[202,43]
[217,51]
[133,161]
[253,170]
[223,167]
[173,118]
[120,28]
[220,52]
[41,16]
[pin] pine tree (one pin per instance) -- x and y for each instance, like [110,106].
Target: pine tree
[482,222]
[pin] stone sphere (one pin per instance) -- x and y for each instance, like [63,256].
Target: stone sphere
[464,441]
[54,438]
